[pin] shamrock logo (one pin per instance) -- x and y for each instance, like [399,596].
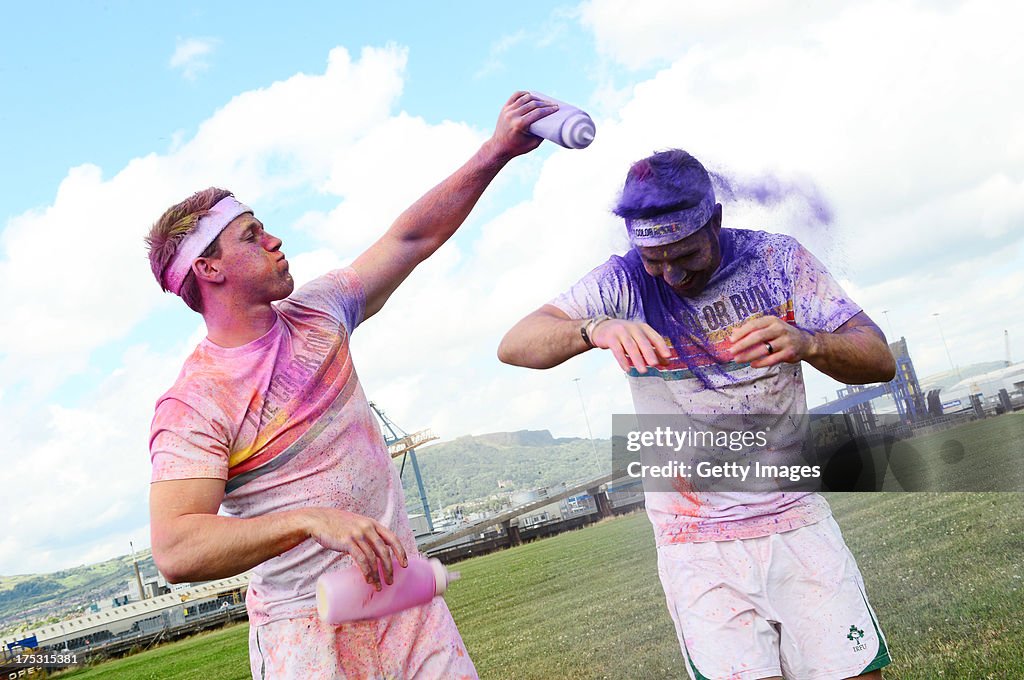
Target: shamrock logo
[855,634]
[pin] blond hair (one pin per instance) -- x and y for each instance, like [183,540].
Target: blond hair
[167,233]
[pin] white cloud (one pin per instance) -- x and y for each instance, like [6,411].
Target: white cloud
[498,49]
[383,172]
[86,467]
[190,56]
[545,33]
[661,31]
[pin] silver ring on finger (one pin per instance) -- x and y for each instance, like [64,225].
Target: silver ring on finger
[768,346]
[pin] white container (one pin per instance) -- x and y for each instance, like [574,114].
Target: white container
[568,126]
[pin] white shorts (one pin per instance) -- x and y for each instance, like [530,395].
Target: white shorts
[790,604]
[421,643]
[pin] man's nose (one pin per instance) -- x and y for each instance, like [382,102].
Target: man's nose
[271,242]
[673,275]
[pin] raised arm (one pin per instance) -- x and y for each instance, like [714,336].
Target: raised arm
[191,542]
[547,337]
[430,221]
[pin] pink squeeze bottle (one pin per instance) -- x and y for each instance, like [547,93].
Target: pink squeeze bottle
[344,595]
[568,126]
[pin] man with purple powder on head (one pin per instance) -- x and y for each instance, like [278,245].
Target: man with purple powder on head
[268,423]
[715,321]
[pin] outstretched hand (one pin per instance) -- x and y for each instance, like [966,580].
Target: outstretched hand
[511,134]
[632,343]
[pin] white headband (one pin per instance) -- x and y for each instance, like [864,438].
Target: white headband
[674,226]
[199,239]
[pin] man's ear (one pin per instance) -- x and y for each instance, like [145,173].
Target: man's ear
[716,218]
[208,269]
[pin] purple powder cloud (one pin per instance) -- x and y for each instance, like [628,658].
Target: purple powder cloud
[770,191]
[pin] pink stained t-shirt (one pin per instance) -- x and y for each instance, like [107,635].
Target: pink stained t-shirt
[284,421]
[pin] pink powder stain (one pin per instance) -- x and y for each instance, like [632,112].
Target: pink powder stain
[687,504]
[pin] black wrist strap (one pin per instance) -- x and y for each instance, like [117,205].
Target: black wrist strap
[588,327]
[585,334]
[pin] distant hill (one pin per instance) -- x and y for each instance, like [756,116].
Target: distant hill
[37,598]
[470,467]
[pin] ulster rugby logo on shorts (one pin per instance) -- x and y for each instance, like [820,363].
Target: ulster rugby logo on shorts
[855,635]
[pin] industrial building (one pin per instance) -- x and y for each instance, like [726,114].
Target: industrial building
[559,509]
[991,393]
[112,630]
[987,386]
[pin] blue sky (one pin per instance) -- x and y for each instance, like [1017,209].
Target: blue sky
[92,82]
[330,118]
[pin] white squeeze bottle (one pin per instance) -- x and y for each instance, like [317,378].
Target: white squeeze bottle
[344,595]
[568,126]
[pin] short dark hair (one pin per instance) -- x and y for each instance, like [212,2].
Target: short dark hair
[665,182]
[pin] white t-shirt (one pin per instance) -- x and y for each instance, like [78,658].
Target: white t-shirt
[760,273]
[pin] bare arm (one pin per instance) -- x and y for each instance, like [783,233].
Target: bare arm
[429,222]
[855,353]
[192,543]
[547,337]
[542,339]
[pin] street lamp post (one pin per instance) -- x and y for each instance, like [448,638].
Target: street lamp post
[583,405]
[888,322]
[948,355]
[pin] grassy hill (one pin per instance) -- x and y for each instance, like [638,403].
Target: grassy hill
[39,598]
[471,467]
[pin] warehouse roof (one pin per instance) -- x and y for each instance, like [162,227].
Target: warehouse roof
[130,611]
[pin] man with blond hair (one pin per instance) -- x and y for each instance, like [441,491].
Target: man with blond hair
[267,421]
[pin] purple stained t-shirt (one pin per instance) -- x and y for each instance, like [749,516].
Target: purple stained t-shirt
[760,273]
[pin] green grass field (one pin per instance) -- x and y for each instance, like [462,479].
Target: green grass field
[944,571]
[218,655]
[984,455]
